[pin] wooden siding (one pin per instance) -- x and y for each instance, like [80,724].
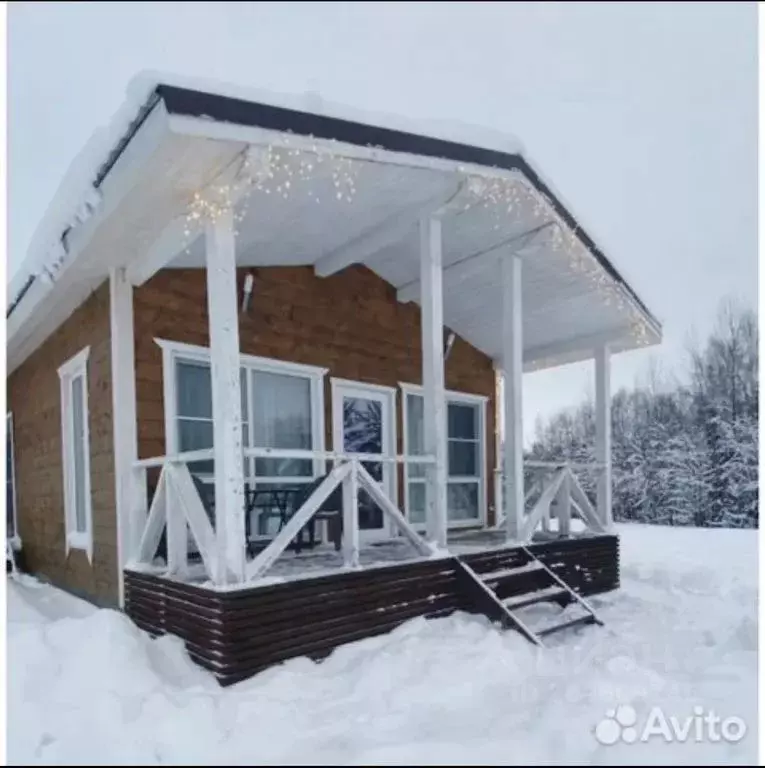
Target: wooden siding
[34,399]
[236,634]
[350,323]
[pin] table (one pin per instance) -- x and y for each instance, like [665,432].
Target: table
[274,502]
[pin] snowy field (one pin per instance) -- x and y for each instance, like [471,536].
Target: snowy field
[85,686]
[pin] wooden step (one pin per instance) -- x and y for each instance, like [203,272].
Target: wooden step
[517,570]
[500,553]
[586,619]
[546,595]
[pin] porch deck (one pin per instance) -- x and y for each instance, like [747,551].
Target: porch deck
[310,605]
[324,560]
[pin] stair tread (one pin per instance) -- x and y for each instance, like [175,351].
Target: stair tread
[537,596]
[514,571]
[586,618]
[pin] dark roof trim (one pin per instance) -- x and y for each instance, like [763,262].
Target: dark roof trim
[21,294]
[182,101]
[114,155]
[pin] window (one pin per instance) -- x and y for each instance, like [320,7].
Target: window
[282,419]
[466,421]
[73,377]
[282,407]
[11,530]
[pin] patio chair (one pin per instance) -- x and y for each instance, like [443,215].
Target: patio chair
[331,511]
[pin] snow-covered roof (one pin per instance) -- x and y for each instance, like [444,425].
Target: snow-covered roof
[79,195]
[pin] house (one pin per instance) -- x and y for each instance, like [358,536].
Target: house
[328,300]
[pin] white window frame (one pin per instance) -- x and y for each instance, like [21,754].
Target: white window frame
[451,397]
[15,540]
[175,351]
[72,369]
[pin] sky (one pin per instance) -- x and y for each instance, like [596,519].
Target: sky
[644,116]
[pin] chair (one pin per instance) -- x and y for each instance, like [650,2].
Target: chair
[331,511]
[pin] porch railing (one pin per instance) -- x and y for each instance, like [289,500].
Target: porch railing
[177,508]
[553,493]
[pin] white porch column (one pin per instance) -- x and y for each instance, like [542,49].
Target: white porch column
[512,363]
[434,416]
[223,321]
[603,432]
[130,495]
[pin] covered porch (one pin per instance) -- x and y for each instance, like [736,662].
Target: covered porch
[472,235]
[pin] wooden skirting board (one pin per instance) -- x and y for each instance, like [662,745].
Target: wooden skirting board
[237,633]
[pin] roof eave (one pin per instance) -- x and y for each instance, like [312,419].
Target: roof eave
[227,109]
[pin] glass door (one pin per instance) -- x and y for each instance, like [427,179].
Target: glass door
[363,422]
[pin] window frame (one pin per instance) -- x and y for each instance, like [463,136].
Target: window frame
[455,397]
[175,351]
[15,539]
[74,368]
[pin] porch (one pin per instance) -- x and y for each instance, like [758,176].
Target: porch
[324,559]
[315,605]
[480,250]
[239,399]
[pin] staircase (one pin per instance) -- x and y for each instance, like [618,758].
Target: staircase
[505,584]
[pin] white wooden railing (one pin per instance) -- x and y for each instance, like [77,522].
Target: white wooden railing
[553,494]
[177,508]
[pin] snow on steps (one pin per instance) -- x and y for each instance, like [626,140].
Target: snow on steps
[506,610]
[512,571]
[546,594]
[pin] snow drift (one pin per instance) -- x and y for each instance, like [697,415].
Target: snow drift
[85,686]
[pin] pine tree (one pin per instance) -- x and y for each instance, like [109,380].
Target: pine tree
[681,454]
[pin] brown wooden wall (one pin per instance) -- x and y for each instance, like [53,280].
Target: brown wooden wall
[35,401]
[237,633]
[350,323]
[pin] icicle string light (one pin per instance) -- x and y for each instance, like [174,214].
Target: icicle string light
[283,171]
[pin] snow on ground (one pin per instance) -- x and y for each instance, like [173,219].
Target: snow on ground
[85,686]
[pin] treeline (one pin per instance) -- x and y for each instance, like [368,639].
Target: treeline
[683,453]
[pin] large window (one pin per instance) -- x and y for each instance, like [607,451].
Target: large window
[466,420]
[282,407]
[73,376]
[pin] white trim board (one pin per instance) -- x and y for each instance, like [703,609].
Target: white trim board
[334,381]
[125,424]
[268,364]
[452,394]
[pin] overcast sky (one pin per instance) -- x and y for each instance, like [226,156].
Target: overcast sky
[643,116]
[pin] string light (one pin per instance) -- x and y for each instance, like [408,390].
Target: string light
[322,174]
[273,171]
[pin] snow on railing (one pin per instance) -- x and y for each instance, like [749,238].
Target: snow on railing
[552,493]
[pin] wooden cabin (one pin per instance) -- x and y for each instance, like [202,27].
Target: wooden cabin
[254,372]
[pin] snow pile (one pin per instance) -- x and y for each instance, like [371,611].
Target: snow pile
[86,686]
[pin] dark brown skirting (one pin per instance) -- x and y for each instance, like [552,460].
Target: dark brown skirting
[238,633]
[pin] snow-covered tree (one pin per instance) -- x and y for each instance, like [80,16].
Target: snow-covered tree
[682,454]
